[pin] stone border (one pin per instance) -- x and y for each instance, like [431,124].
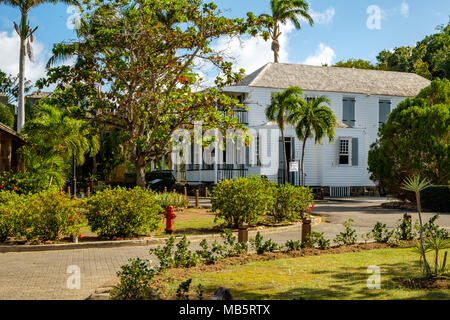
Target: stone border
[135,243]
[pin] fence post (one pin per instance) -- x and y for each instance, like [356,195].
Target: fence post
[196,198]
[88,192]
[306,230]
[206,192]
[185,192]
[243,234]
[68,190]
[165,189]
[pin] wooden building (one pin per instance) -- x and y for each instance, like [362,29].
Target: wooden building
[10,142]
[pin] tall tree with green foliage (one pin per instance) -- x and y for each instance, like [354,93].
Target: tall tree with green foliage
[26,34]
[135,67]
[356,64]
[415,140]
[280,106]
[429,58]
[313,119]
[282,12]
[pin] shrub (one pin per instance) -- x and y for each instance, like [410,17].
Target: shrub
[292,245]
[123,213]
[183,290]
[380,233]
[432,230]
[23,182]
[51,214]
[291,202]
[318,239]
[403,230]
[217,252]
[242,200]
[165,254]
[11,214]
[181,257]
[348,237]
[263,247]
[436,198]
[174,199]
[134,282]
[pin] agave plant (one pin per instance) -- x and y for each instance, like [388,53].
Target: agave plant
[416,185]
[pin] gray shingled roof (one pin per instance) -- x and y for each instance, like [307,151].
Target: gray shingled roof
[333,79]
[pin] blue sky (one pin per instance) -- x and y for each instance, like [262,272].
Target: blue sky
[342,31]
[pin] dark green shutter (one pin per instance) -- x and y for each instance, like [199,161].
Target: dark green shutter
[348,116]
[383,111]
[355,152]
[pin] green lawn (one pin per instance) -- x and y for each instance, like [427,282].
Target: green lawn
[328,276]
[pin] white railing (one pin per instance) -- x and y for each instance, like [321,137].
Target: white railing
[339,192]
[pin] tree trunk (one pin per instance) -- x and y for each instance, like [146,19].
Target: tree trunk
[419,210]
[140,172]
[303,161]
[21,93]
[285,158]
[275,43]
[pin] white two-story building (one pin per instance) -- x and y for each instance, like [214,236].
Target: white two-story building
[361,101]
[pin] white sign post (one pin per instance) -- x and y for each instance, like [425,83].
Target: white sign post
[293,166]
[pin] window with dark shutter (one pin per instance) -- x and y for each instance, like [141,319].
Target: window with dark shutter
[348,116]
[355,151]
[384,109]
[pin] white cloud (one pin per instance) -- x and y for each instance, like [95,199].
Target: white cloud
[404,9]
[325,17]
[252,53]
[9,57]
[323,55]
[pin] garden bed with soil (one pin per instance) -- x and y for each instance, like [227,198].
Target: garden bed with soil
[166,281]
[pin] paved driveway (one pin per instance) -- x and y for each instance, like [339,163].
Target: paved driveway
[365,214]
[43,275]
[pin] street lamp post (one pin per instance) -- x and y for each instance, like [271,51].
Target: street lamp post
[74,160]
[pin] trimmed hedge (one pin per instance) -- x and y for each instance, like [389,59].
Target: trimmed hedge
[47,215]
[123,213]
[291,202]
[242,200]
[436,198]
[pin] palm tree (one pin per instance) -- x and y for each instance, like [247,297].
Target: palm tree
[25,33]
[416,185]
[311,118]
[282,12]
[281,104]
[56,138]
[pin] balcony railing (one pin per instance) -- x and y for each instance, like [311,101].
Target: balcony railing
[227,174]
[240,114]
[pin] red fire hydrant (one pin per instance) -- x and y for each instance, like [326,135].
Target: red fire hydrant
[170,216]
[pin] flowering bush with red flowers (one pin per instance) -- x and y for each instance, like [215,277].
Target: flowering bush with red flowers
[51,215]
[291,203]
[12,206]
[43,216]
[123,213]
[22,182]
[242,200]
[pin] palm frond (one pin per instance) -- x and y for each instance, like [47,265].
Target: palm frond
[415,184]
